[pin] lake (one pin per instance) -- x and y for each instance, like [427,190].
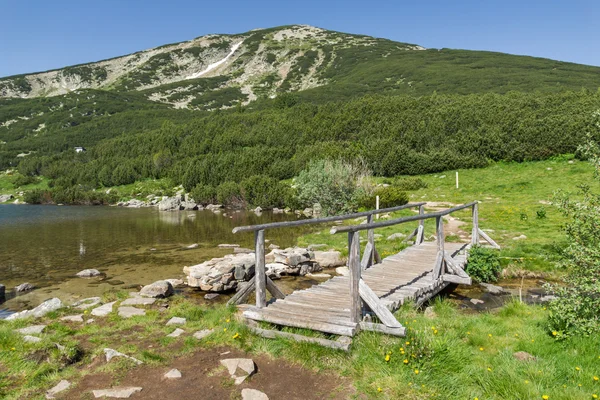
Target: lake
[47,245]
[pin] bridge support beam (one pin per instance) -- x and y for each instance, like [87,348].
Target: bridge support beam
[355,270]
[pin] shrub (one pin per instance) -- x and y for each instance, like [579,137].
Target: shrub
[336,185]
[23,180]
[263,191]
[36,196]
[204,194]
[483,264]
[410,183]
[388,197]
[229,194]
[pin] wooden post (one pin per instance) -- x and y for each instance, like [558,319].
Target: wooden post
[457,179]
[371,241]
[421,228]
[259,274]
[377,205]
[475,232]
[438,269]
[354,267]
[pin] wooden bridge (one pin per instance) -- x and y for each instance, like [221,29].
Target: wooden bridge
[375,287]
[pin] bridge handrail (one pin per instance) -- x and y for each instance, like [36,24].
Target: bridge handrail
[420,217]
[260,227]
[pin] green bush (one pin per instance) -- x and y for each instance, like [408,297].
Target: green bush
[390,196]
[336,185]
[483,264]
[23,180]
[263,191]
[230,194]
[410,183]
[36,196]
[204,194]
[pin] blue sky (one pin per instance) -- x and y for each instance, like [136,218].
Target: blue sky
[37,35]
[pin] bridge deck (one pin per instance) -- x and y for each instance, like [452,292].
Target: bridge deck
[405,276]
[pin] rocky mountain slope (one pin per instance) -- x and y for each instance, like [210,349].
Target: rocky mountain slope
[212,71]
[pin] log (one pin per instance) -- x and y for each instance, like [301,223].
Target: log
[273,334]
[368,326]
[243,293]
[453,267]
[296,323]
[488,239]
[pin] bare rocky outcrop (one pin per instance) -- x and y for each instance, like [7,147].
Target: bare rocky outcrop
[39,311]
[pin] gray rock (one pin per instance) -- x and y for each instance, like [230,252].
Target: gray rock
[88,273]
[344,271]
[173,374]
[41,310]
[128,312]
[176,321]
[87,303]
[211,296]
[103,310]
[110,354]
[60,387]
[241,250]
[521,237]
[396,236]
[157,289]
[176,333]
[192,246]
[203,333]
[228,246]
[170,204]
[5,197]
[117,393]
[73,318]
[257,210]
[273,247]
[138,301]
[32,330]
[175,282]
[545,299]
[253,394]
[329,259]
[476,301]
[317,210]
[239,368]
[24,287]
[31,339]
[493,289]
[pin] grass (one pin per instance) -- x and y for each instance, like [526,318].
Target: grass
[510,195]
[7,186]
[457,356]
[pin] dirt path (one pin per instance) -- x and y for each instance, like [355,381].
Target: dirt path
[204,378]
[453,224]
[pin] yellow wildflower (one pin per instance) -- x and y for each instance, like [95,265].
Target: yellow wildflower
[407,343]
[237,335]
[577,369]
[224,329]
[387,357]
[526,382]
[227,320]
[379,389]
[489,335]
[489,369]
[545,397]
[554,333]
[594,396]
[595,378]
[12,348]
[405,361]
[481,349]
[416,371]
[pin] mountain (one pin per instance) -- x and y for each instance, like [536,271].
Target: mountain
[221,71]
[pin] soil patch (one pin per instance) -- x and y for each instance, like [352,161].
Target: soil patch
[203,377]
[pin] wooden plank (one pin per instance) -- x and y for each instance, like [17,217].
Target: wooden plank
[412,235]
[311,316]
[243,293]
[488,239]
[317,326]
[272,334]
[475,232]
[354,267]
[456,279]
[437,270]
[274,290]
[455,269]
[259,274]
[368,326]
[421,228]
[367,257]
[379,309]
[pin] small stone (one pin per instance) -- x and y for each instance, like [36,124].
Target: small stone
[157,289]
[117,393]
[396,236]
[175,282]
[173,374]
[253,394]
[524,356]
[60,387]
[73,318]
[493,289]
[228,246]
[110,354]
[87,303]
[88,273]
[233,365]
[211,296]
[138,301]
[89,321]
[476,301]
[203,333]
[273,247]
[242,250]
[31,339]
[176,321]
[429,312]
[32,330]
[343,271]
[128,312]
[176,333]
[103,310]
[521,237]
[24,287]
[192,246]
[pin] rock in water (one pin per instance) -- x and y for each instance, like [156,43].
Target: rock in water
[5,197]
[60,387]
[88,273]
[170,204]
[157,289]
[24,287]
[211,296]
[253,394]
[493,289]
[41,310]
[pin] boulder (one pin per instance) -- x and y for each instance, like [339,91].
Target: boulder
[159,289]
[253,394]
[31,339]
[317,210]
[134,203]
[39,311]
[24,287]
[329,259]
[211,296]
[139,301]
[170,204]
[257,210]
[88,273]
[176,333]
[6,197]
[175,282]
[177,321]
